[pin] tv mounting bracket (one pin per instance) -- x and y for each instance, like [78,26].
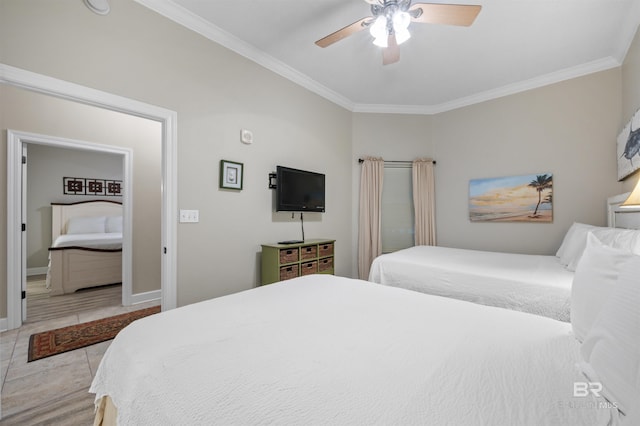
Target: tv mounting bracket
[273,181]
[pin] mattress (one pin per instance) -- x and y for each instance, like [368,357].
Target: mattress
[105,241]
[530,283]
[324,350]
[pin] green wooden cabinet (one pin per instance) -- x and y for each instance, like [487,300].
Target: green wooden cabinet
[285,261]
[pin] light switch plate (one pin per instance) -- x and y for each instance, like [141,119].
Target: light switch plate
[189,216]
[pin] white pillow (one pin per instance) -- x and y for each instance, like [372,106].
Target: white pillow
[567,240]
[593,283]
[87,225]
[574,243]
[611,349]
[114,224]
[625,239]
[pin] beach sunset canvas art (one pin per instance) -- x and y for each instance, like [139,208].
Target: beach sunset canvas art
[525,198]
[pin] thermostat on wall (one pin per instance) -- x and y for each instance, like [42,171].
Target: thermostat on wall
[246,136]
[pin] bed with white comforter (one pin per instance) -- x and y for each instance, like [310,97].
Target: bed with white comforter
[102,241]
[324,350]
[86,249]
[535,284]
[530,283]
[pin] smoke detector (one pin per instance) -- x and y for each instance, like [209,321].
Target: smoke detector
[101,7]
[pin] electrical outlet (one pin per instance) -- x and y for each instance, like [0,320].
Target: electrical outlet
[189,216]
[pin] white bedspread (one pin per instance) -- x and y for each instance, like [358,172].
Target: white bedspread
[323,350]
[522,282]
[106,241]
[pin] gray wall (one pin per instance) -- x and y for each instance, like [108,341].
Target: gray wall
[41,114]
[47,166]
[137,53]
[568,129]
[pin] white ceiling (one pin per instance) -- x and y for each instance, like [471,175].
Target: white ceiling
[513,45]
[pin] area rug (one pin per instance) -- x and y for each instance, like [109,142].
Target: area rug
[60,340]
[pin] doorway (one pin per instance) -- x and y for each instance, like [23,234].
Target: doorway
[83,95]
[47,165]
[18,142]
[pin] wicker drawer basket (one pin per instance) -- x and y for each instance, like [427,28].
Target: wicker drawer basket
[309,252]
[326,250]
[288,272]
[325,264]
[309,268]
[289,255]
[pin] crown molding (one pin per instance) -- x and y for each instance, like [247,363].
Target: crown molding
[511,89]
[180,15]
[184,17]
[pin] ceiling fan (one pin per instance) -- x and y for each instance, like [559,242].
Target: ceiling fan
[389,23]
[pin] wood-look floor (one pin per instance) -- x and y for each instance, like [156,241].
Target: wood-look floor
[42,307]
[73,409]
[54,390]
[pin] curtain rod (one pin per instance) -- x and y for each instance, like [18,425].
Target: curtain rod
[360,160]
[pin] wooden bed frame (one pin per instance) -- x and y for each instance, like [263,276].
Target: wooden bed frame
[74,268]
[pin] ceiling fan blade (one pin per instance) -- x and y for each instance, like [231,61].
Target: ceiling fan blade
[391,53]
[344,32]
[447,14]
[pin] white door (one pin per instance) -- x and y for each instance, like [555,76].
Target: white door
[23,262]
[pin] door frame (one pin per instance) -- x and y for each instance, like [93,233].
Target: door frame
[63,89]
[16,140]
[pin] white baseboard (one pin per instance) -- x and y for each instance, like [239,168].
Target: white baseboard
[4,324]
[149,296]
[37,271]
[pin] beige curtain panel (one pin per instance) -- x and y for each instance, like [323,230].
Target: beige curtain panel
[424,202]
[369,222]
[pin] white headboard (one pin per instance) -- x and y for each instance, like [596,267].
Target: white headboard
[622,217]
[61,213]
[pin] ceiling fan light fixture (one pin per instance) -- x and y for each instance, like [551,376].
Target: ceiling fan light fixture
[379,28]
[390,20]
[402,36]
[381,41]
[401,21]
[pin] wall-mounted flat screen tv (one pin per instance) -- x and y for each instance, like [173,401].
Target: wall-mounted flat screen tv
[299,190]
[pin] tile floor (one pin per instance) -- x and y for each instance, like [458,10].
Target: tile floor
[27,386]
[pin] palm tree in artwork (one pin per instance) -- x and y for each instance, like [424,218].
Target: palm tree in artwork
[540,183]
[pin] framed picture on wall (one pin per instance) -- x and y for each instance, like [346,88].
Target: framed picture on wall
[91,186]
[231,175]
[628,147]
[524,198]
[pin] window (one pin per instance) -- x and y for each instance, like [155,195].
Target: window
[397,207]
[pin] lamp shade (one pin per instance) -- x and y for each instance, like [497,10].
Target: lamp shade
[401,21]
[381,41]
[402,36]
[379,28]
[633,200]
